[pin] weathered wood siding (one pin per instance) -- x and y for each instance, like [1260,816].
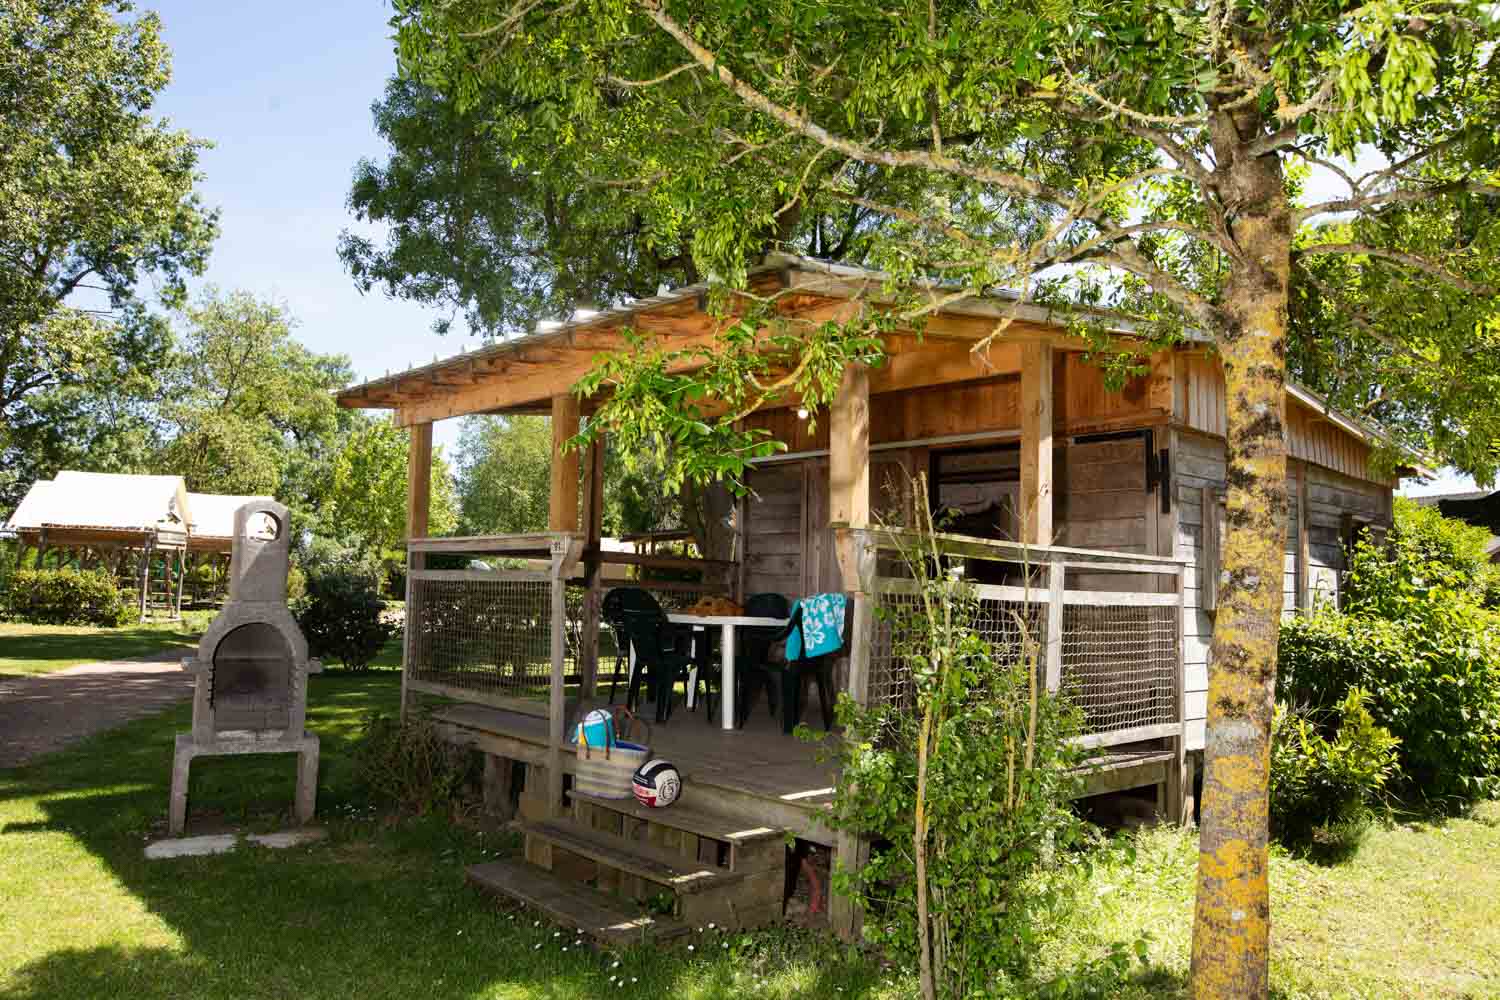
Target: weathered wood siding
[1199,461]
[1101,500]
[1331,497]
[912,415]
[1311,437]
[1082,405]
[773,539]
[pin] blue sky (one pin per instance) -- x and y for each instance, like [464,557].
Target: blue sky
[284,90]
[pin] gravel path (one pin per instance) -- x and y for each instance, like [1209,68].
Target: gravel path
[46,712]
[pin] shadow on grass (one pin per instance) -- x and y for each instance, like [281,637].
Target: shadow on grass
[376,910]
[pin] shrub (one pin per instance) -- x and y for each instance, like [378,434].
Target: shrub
[1432,679]
[410,766]
[969,789]
[343,616]
[65,597]
[1425,557]
[1328,772]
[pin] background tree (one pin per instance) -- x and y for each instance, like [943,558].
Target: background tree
[97,194]
[102,415]
[243,395]
[488,215]
[503,467]
[1133,156]
[365,501]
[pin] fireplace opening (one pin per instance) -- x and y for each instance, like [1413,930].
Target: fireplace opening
[252,679]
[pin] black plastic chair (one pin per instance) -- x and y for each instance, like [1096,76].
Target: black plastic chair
[753,668]
[612,610]
[658,657]
[793,673]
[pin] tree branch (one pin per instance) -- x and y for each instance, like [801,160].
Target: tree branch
[622,82]
[1410,260]
[848,147]
[1357,202]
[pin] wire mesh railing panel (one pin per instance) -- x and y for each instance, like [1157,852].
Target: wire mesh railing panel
[475,634]
[1120,664]
[890,677]
[1006,624]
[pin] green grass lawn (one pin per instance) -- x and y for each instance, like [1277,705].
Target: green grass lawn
[41,649]
[380,908]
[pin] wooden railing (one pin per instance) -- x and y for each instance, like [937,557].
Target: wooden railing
[1109,625]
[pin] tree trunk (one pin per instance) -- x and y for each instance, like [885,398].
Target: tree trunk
[1231,929]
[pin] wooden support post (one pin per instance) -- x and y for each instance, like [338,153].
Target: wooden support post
[145,571]
[849,451]
[1179,788]
[588,651]
[1304,545]
[562,500]
[1056,593]
[853,851]
[41,548]
[1036,444]
[849,511]
[418,507]
[181,575]
[556,704]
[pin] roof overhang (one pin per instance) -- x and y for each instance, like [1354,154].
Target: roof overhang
[521,375]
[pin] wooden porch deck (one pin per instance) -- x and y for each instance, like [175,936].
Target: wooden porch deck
[757,772]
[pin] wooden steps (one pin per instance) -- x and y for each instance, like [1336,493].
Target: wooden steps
[621,872]
[609,922]
[662,867]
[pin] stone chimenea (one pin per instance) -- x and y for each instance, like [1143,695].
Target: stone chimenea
[252,666]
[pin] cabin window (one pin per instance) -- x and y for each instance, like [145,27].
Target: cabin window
[977,491]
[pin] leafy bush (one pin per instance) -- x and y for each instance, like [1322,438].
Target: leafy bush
[296,585]
[969,789]
[1425,557]
[1432,678]
[1328,772]
[343,615]
[410,766]
[65,597]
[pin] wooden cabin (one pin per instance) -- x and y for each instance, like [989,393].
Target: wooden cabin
[1112,500]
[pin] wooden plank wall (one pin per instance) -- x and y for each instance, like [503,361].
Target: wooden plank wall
[773,541]
[1311,437]
[1101,496]
[1197,461]
[1331,495]
[1082,405]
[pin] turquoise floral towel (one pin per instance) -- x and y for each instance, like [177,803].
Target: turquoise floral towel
[822,627]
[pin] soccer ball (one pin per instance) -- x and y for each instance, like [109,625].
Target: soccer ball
[657,783]
[597,729]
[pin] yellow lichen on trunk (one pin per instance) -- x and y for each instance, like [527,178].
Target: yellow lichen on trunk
[1231,933]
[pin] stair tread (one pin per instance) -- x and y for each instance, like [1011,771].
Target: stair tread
[693,819]
[571,904]
[683,875]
